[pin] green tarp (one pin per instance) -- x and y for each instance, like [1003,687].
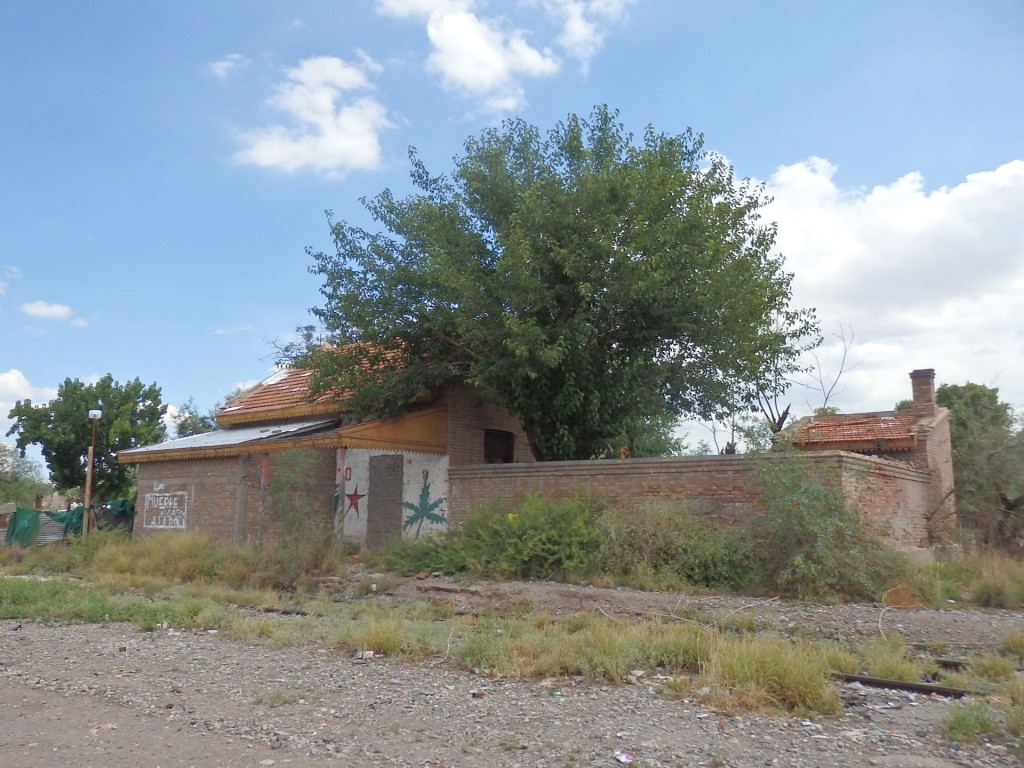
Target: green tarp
[23,527]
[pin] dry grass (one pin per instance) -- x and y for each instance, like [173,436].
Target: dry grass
[887,657]
[729,660]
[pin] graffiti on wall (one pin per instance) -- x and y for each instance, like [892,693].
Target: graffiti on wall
[165,509]
[424,493]
[424,510]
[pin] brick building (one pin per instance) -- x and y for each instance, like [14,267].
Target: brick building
[917,437]
[378,480]
[222,482]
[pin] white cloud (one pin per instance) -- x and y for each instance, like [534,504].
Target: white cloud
[487,58]
[479,58]
[926,278]
[330,131]
[43,309]
[484,59]
[80,322]
[405,9]
[232,331]
[9,272]
[585,24]
[243,386]
[14,386]
[233,62]
[169,417]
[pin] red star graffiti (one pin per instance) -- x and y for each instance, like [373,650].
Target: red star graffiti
[353,500]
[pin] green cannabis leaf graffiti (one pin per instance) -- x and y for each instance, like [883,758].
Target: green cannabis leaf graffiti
[424,510]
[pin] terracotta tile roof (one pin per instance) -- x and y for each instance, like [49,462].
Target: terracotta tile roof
[284,394]
[884,430]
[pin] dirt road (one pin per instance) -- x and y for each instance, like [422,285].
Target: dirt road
[112,695]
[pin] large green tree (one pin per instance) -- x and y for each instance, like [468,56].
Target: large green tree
[595,286]
[988,463]
[21,478]
[132,417]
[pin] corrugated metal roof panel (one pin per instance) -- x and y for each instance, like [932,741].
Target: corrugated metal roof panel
[223,438]
[50,531]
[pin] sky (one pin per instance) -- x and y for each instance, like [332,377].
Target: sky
[164,166]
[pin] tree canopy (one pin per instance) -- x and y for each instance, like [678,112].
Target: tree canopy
[988,463]
[594,286]
[188,420]
[21,478]
[132,417]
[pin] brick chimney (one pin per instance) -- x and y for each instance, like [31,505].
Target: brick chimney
[922,382]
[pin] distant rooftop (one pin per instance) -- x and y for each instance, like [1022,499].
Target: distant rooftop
[864,432]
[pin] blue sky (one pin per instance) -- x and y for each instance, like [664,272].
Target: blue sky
[164,165]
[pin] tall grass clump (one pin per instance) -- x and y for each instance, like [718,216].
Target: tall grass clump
[812,543]
[942,582]
[997,581]
[74,555]
[770,673]
[668,540]
[887,657]
[174,557]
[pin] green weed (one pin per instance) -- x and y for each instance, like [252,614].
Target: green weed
[970,721]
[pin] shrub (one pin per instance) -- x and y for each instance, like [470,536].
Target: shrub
[812,543]
[660,539]
[539,538]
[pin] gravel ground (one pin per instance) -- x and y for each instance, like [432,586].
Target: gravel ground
[92,695]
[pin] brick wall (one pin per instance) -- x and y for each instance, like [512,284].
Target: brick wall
[892,496]
[223,498]
[468,417]
[939,449]
[894,499]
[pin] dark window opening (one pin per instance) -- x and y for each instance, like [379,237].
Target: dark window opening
[498,446]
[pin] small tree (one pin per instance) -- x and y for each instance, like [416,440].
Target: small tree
[988,463]
[132,417]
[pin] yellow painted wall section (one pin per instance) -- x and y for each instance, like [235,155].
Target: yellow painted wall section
[414,431]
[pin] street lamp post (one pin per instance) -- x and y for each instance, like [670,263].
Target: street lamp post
[94,415]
